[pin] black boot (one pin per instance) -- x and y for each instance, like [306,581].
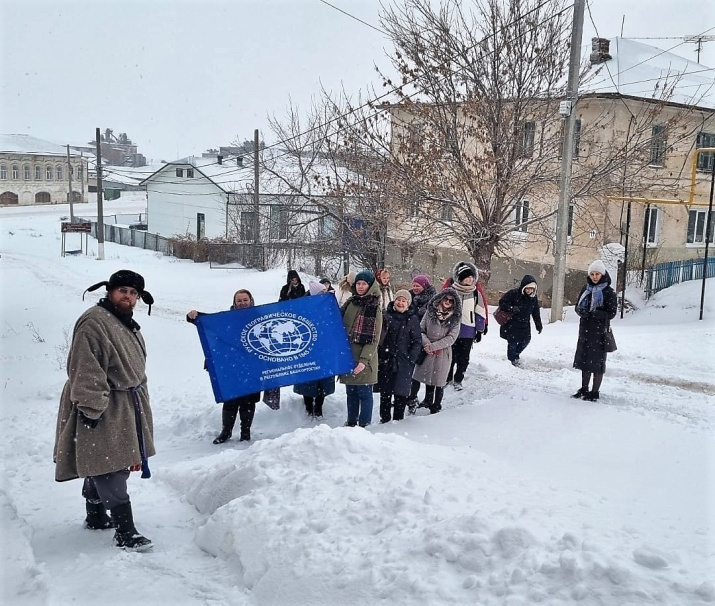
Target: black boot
[591,396]
[97,518]
[246,413]
[437,404]
[309,407]
[581,392]
[318,407]
[228,418]
[385,407]
[126,535]
[400,405]
[428,402]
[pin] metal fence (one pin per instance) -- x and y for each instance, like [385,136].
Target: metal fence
[663,275]
[138,238]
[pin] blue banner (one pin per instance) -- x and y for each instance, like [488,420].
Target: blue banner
[257,348]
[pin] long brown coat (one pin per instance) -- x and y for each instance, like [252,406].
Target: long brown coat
[441,335]
[105,357]
[367,354]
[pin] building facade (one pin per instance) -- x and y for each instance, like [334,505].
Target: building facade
[33,171]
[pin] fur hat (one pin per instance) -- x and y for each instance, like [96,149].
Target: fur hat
[366,276]
[598,266]
[316,288]
[406,294]
[422,280]
[464,270]
[129,279]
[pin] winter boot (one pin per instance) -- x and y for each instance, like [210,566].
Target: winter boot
[411,405]
[246,413]
[591,396]
[228,418]
[309,407]
[582,392]
[385,408]
[400,404]
[126,535]
[458,386]
[428,402]
[97,518]
[318,407]
[436,406]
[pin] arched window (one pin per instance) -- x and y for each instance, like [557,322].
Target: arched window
[26,172]
[76,196]
[3,172]
[8,198]
[15,172]
[38,173]
[48,173]
[42,197]
[59,172]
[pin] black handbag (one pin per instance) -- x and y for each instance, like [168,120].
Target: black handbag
[610,343]
[421,358]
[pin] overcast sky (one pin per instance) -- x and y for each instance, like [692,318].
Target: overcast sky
[180,76]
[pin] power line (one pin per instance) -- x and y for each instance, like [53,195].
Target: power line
[377,29]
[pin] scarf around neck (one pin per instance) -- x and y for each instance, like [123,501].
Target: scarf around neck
[364,329]
[595,291]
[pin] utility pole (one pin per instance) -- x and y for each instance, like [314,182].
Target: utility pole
[708,237]
[100,207]
[562,214]
[69,175]
[256,196]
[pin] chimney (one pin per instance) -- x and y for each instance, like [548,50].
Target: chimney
[219,159]
[600,48]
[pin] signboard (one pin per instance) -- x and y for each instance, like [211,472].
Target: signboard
[259,348]
[76,228]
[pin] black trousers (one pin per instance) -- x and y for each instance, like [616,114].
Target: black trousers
[110,489]
[461,350]
[243,406]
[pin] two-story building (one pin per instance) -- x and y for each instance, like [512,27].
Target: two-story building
[33,171]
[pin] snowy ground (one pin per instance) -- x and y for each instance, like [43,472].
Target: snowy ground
[514,494]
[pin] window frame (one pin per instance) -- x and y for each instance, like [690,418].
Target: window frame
[705,159]
[3,172]
[658,145]
[49,173]
[189,173]
[526,138]
[59,173]
[15,172]
[652,218]
[180,172]
[38,172]
[691,236]
[522,211]
[279,222]
[26,173]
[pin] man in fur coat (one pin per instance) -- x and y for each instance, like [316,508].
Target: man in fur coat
[104,423]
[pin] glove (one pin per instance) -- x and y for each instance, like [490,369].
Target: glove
[478,338]
[486,328]
[87,422]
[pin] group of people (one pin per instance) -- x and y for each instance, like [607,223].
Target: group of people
[399,341]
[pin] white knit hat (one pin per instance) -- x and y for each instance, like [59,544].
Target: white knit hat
[316,288]
[598,266]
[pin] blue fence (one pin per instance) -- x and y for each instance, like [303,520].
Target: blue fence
[663,275]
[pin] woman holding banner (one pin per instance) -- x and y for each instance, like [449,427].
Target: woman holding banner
[245,406]
[362,318]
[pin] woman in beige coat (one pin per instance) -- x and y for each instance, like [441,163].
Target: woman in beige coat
[440,329]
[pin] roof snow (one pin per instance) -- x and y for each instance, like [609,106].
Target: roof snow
[26,144]
[641,70]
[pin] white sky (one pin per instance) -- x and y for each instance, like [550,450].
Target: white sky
[180,76]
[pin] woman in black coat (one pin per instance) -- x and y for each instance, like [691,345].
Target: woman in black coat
[522,303]
[293,288]
[597,306]
[397,354]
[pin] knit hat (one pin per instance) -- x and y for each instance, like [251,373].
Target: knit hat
[406,294]
[598,266]
[366,276]
[325,281]
[129,279]
[422,280]
[316,288]
[464,272]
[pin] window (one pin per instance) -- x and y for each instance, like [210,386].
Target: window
[190,173]
[79,173]
[279,223]
[696,226]
[3,172]
[450,136]
[26,172]
[42,197]
[200,226]
[248,226]
[657,145]
[15,172]
[58,173]
[706,159]
[48,173]
[570,224]
[415,134]
[446,212]
[651,225]
[328,227]
[179,172]
[521,215]
[525,133]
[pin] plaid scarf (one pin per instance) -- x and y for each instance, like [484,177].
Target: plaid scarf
[365,328]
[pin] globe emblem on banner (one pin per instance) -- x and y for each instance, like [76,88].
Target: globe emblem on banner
[280,337]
